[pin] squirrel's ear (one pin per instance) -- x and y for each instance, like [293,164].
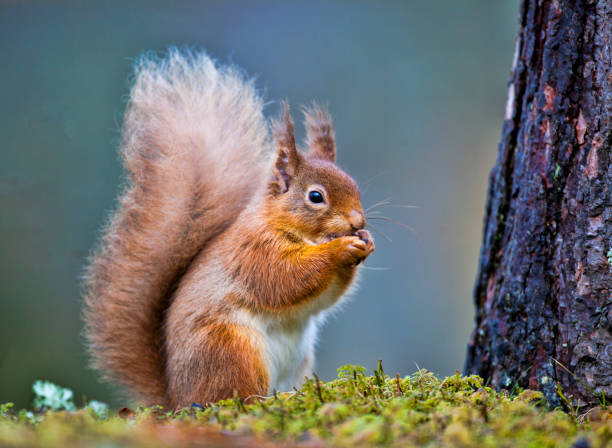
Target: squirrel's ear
[287,157]
[320,133]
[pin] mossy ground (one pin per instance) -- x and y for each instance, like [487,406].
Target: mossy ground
[353,410]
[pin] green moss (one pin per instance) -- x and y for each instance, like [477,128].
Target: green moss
[353,410]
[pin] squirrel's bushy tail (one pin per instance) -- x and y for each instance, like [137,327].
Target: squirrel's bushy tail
[195,144]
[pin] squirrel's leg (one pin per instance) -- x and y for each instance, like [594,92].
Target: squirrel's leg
[214,363]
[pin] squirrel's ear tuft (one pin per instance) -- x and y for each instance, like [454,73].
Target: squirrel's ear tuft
[287,156]
[320,133]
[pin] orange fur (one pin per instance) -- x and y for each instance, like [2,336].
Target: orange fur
[222,362]
[209,272]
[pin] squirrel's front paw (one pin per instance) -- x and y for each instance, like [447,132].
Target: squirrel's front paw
[356,248]
[366,237]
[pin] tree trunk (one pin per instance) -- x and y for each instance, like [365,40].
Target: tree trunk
[544,288]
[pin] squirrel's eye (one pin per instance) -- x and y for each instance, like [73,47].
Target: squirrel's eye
[315,197]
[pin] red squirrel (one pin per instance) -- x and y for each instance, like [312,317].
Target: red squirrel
[228,244]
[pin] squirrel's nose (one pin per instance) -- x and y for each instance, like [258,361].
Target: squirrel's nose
[356,220]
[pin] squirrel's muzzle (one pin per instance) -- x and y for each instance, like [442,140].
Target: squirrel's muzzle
[357,220]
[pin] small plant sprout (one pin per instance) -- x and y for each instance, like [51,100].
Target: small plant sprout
[49,396]
[5,409]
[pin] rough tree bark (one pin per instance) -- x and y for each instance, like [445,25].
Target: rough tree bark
[544,287]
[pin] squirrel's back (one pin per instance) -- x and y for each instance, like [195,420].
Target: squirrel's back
[195,144]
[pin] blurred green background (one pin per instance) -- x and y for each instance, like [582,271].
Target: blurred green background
[417,91]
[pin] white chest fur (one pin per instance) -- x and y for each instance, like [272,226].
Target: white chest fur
[288,345]
[287,349]
[284,345]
